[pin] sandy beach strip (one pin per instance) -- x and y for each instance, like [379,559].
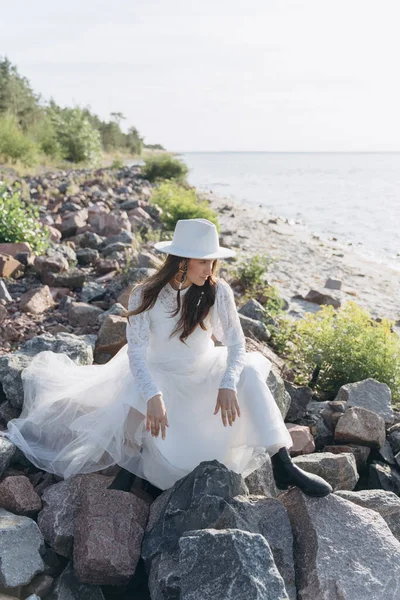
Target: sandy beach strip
[304,261]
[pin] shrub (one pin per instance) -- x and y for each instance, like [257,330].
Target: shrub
[14,145]
[180,203]
[117,163]
[331,348]
[250,271]
[78,139]
[19,222]
[163,166]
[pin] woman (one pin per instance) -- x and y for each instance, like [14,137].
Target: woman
[170,398]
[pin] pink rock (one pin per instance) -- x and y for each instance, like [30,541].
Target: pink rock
[361,426]
[303,441]
[15,248]
[109,530]
[51,264]
[37,300]
[8,265]
[112,335]
[18,496]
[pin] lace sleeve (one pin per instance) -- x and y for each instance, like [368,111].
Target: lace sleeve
[137,335]
[227,329]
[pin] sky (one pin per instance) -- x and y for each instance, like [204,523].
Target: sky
[220,75]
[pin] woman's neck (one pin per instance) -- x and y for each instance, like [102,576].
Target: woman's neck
[176,287]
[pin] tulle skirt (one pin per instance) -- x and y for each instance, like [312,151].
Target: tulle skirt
[80,419]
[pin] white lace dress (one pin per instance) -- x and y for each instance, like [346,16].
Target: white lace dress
[80,419]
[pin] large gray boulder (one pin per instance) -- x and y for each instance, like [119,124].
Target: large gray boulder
[261,482]
[340,470]
[342,551]
[361,426]
[386,504]
[278,390]
[245,567]
[79,350]
[21,548]
[369,394]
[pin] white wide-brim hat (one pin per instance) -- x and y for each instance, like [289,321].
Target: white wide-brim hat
[195,238]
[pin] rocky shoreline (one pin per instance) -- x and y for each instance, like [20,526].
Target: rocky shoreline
[213,534]
[306,261]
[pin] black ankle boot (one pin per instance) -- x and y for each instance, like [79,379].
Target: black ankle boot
[123,481]
[286,473]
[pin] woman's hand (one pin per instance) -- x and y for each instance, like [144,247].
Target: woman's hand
[156,416]
[228,403]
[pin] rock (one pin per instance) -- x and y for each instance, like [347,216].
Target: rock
[256,329]
[112,335]
[11,365]
[89,239]
[181,508]
[8,412]
[109,223]
[106,265]
[39,587]
[117,247]
[118,519]
[36,300]
[72,222]
[394,439]
[334,536]
[369,394]
[279,364]
[253,309]
[361,426]
[245,567]
[92,291]
[268,517]
[78,348]
[4,293]
[21,545]
[333,284]
[3,313]
[277,388]
[360,453]
[320,298]
[71,279]
[116,309]
[261,482]
[383,476]
[146,260]
[60,505]
[386,452]
[339,470]
[7,451]
[300,396]
[56,263]
[318,419]
[9,266]
[386,504]
[18,496]
[303,441]
[15,248]
[81,314]
[87,256]
[68,587]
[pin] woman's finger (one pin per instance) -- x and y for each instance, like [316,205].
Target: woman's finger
[237,407]
[217,407]
[163,430]
[148,423]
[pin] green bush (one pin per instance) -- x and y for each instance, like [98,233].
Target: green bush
[163,166]
[117,163]
[330,348]
[19,222]
[78,139]
[180,203]
[44,134]
[15,146]
[250,271]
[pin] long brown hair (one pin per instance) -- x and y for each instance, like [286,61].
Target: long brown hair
[197,300]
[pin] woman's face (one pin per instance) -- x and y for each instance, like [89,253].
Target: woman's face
[199,270]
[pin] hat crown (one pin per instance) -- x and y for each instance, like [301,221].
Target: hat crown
[195,238]
[199,235]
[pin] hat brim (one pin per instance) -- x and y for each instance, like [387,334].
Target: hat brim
[169,248]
